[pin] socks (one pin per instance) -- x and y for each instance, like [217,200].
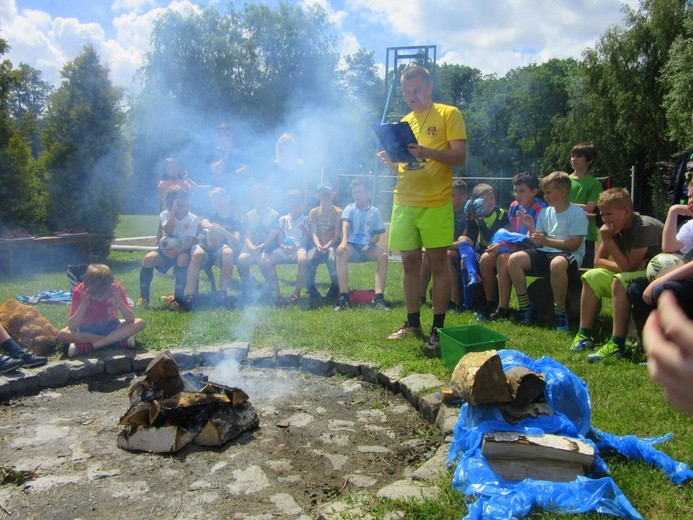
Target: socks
[11,347]
[469,256]
[558,308]
[414,319]
[585,332]
[523,299]
[621,342]
[146,276]
[179,289]
[438,321]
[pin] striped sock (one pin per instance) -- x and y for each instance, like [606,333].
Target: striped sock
[523,299]
[559,308]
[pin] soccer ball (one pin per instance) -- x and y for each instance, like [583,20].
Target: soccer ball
[169,243]
[662,264]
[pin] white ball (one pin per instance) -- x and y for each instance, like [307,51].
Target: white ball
[661,264]
[169,243]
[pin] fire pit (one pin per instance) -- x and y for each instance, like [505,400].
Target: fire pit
[319,438]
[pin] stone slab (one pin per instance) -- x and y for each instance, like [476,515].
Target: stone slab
[408,490]
[84,367]
[52,375]
[318,364]
[118,364]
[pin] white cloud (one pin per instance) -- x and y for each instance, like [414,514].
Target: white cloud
[136,6]
[493,36]
[496,36]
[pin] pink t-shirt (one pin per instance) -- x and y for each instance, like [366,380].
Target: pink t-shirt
[99,311]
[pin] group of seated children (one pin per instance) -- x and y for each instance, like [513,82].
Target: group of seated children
[262,237]
[495,251]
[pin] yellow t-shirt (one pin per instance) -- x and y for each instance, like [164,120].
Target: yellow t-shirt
[431,186]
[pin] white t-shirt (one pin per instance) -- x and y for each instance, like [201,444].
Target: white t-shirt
[685,235]
[182,228]
[569,223]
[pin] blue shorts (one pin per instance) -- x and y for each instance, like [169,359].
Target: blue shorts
[101,329]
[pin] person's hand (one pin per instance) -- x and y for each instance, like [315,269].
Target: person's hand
[85,297]
[526,220]
[539,239]
[385,159]
[647,294]
[668,341]
[417,150]
[608,231]
[341,248]
[680,209]
[493,249]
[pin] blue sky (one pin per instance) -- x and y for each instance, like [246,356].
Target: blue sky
[493,35]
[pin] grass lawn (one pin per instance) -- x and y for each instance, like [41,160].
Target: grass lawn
[136,226]
[624,399]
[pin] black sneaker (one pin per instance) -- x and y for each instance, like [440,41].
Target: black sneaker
[380,304]
[432,347]
[500,314]
[29,359]
[342,303]
[8,364]
[313,293]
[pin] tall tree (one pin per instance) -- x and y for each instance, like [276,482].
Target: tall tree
[626,117]
[20,188]
[676,79]
[85,158]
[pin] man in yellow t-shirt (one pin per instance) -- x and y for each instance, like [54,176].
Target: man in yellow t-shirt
[422,215]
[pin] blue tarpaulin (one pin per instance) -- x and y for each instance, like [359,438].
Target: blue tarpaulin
[495,497]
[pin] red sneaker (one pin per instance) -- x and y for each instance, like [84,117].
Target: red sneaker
[79,349]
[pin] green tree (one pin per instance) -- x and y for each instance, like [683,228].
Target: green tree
[676,80]
[28,97]
[20,188]
[85,157]
[624,97]
[258,69]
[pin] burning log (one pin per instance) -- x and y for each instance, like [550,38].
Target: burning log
[515,456]
[227,424]
[162,418]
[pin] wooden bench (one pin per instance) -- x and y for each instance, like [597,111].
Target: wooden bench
[46,252]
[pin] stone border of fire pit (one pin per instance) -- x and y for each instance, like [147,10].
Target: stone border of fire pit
[419,389]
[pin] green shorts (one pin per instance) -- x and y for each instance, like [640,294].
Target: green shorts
[412,227]
[599,280]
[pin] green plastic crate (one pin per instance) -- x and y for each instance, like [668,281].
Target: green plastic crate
[455,342]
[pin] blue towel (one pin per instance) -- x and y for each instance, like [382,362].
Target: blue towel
[50,296]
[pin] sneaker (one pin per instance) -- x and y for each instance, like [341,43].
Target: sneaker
[380,304]
[527,313]
[342,303]
[143,302]
[609,349]
[432,347]
[128,343]
[581,342]
[30,359]
[499,314]
[405,331]
[79,349]
[8,364]
[482,316]
[313,293]
[562,322]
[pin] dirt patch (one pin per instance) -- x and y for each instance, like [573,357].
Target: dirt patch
[318,437]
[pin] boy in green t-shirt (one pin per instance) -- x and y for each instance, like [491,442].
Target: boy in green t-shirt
[628,242]
[584,192]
